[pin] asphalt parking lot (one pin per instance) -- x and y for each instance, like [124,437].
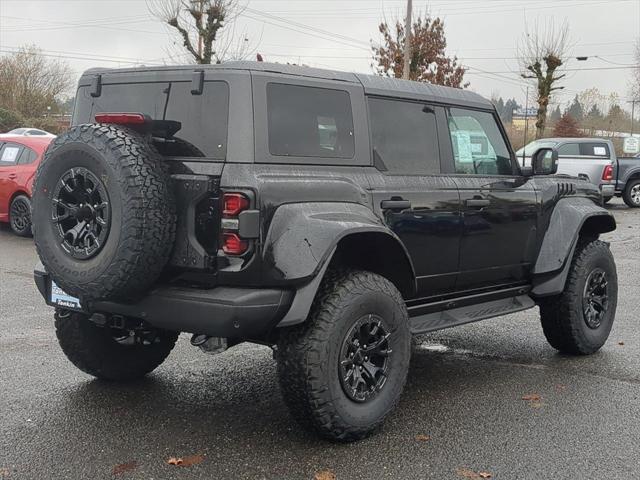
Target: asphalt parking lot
[462,413]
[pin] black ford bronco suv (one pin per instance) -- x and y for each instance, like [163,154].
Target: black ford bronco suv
[328,215]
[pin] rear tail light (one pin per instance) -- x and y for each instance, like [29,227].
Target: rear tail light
[233,203]
[122,118]
[233,245]
[607,173]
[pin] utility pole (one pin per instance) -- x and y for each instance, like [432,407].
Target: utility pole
[407,42]
[526,125]
[633,112]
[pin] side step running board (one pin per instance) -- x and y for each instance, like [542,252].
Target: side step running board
[430,322]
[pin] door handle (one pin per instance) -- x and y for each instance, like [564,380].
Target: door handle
[477,202]
[398,204]
[13,176]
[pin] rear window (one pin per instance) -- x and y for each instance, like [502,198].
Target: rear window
[309,122]
[203,118]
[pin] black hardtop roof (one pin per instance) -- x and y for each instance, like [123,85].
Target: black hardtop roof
[373,84]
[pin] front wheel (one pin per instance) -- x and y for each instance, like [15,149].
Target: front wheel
[20,216]
[110,353]
[579,320]
[343,370]
[631,195]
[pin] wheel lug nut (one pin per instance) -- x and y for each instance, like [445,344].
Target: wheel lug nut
[360,367]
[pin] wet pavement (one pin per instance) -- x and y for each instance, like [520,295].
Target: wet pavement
[462,412]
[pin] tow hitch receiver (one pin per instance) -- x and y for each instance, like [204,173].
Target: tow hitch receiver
[210,345]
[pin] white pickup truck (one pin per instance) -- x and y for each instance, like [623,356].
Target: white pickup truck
[593,159]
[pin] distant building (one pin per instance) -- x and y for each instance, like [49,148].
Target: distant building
[523,116]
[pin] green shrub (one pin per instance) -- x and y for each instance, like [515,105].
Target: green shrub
[10,120]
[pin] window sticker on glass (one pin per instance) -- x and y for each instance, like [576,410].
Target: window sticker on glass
[10,154]
[463,141]
[599,151]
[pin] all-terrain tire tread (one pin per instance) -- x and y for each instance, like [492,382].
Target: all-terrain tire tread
[90,349]
[302,349]
[561,316]
[148,225]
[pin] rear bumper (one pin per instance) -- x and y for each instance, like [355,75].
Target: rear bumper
[607,190]
[228,312]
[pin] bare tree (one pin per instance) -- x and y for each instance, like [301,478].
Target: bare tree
[205,27]
[542,53]
[31,83]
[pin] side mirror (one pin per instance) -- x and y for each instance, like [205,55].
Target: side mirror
[544,161]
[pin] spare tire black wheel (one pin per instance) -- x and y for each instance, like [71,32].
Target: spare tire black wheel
[104,214]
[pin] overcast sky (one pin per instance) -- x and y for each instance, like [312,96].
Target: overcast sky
[337,34]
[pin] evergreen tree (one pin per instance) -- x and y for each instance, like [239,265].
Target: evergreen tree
[594,113]
[556,114]
[576,110]
[567,126]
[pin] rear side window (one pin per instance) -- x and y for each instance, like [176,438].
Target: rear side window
[27,156]
[404,136]
[9,154]
[594,149]
[569,150]
[309,122]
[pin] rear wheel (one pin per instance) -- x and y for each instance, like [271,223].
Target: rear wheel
[343,370]
[20,216]
[110,353]
[579,320]
[631,195]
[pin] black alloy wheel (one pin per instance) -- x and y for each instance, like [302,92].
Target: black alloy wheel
[595,298]
[20,216]
[365,358]
[81,213]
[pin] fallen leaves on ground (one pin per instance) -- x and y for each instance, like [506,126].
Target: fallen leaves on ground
[468,473]
[423,438]
[324,475]
[620,343]
[533,397]
[4,472]
[534,400]
[186,461]
[124,467]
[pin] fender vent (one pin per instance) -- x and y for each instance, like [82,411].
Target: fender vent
[565,189]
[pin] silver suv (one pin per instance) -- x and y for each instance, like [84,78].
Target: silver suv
[592,159]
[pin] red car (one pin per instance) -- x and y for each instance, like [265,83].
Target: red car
[19,158]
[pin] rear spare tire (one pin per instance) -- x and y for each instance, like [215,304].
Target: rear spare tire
[104,215]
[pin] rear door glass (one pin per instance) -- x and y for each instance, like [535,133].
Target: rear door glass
[404,136]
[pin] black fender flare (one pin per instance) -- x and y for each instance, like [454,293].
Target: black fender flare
[303,238]
[570,217]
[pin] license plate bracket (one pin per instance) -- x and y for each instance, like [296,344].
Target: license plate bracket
[59,298]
